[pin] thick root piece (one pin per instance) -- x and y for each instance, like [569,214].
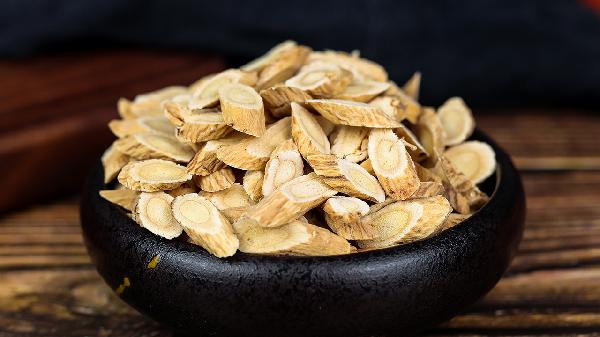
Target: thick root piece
[431,134]
[411,109]
[350,143]
[149,104]
[347,177]
[363,90]
[321,79]
[271,56]
[123,197]
[186,188]
[406,221]
[283,67]
[252,183]
[232,197]
[153,175]
[343,216]
[150,145]
[253,153]
[278,99]
[307,132]
[352,62]
[367,165]
[390,106]
[206,93]
[195,126]
[113,161]
[392,164]
[216,181]
[284,165]
[243,109]
[417,151]
[463,194]
[428,189]
[427,175]
[413,86]
[325,124]
[453,219]
[290,201]
[205,161]
[476,160]
[457,120]
[295,238]
[153,212]
[205,225]
[352,113]
[126,127]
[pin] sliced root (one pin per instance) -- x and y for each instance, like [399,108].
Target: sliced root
[347,177]
[126,127]
[205,161]
[431,134]
[153,212]
[149,145]
[195,126]
[284,165]
[307,132]
[352,113]
[411,109]
[476,160]
[392,164]
[205,225]
[149,104]
[270,57]
[428,189]
[413,86]
[153,175]
[325,124]
[207,92]
[457,120]
[290,201]
[283,67]
[186,188]
[349,142]
[216,181]
[123,197]
[278,99]
[463,194]
[242,109]
[321,79]
[113,161]
[232,197]
[367,165]
[452,220]
[343,216]
[363,90]
[252,183]
[352,62]
[417,151]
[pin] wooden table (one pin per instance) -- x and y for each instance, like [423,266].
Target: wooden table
[49,288]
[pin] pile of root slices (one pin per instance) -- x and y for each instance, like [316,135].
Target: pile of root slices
[299,152]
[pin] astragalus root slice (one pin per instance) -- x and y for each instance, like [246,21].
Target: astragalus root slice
[232,197]
[457,120]
[406,221]
[243,108]
[150,145]
[205,225]
[186,188]
[126,127]
[153,175]
[349,142]
[196,126]
[363,90]
[431,134]
[294,238]
[392,164]
[284,165]
[325,124]
[321,79]
[346,177]
[207,92]
[113,161]
[277,100]
[283,67]
[124,198]
[428,189]
[343,216]
[252,183]
[253,153]
[462,193]
[307,132]
[205,161]
[351,62]
[453,219]
[153,212]
[476,160]
[367,165]
[418,152]
[413,86]
[271,56]
[290,201]
[149,104]
[411,109]
[216,181]
[352,113]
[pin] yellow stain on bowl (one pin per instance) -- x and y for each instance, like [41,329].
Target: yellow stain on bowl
[121,288]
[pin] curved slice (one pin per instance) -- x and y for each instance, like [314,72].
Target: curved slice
[392,164]
[453,219]
[413,86]
[431,134]
[350,143]
[321,79]
[242,108]
[463,194]
[411,109]
[232,197]
[195,126]
[269,57]
[325,124]
[252,183]
[417,151]
[352,113]
[307,132]
[123,197]
[149,104]
[284,165]
[153,175]
[205,161]
[278,99]
[205,225]
[113,161]
[216,181]
[153,212]
[126,127]
[457,120]
[207,92]
[283,67]
[343,216]
[346,177]
[352,62]
[148,145]
[475,159]
[363,90]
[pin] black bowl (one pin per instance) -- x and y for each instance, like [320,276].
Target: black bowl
[389,292]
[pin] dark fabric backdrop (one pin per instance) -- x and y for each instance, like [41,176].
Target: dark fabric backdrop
[493,53]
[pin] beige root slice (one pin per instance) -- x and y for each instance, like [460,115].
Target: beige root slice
[390,106]
[352,113]
[295,238]
[285,66]
[284,165]
[427,175]
[278,99]
[205,161]
[411,109]
[417,151]
[431,134]
[475,159]
[207,93]
[271,56]
[123,197]
[428,189]
[363,90]
[307,132]
[349,142]
[216,181]
[186,188]
[234,196]
[253,153]
[290,201]
[367,165]
[406,221]
[392,164]
[352,62]
[113,161]
[252,183]
[126,127]
[457,120]
[153,212]
[325,124]
[150,145]
[197,126]
[149,104]
[321,79]
[453,219]
[205,225]
[463,194]
[347,177]
[242,108]
[153,175]
[413,86]
[343,216]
